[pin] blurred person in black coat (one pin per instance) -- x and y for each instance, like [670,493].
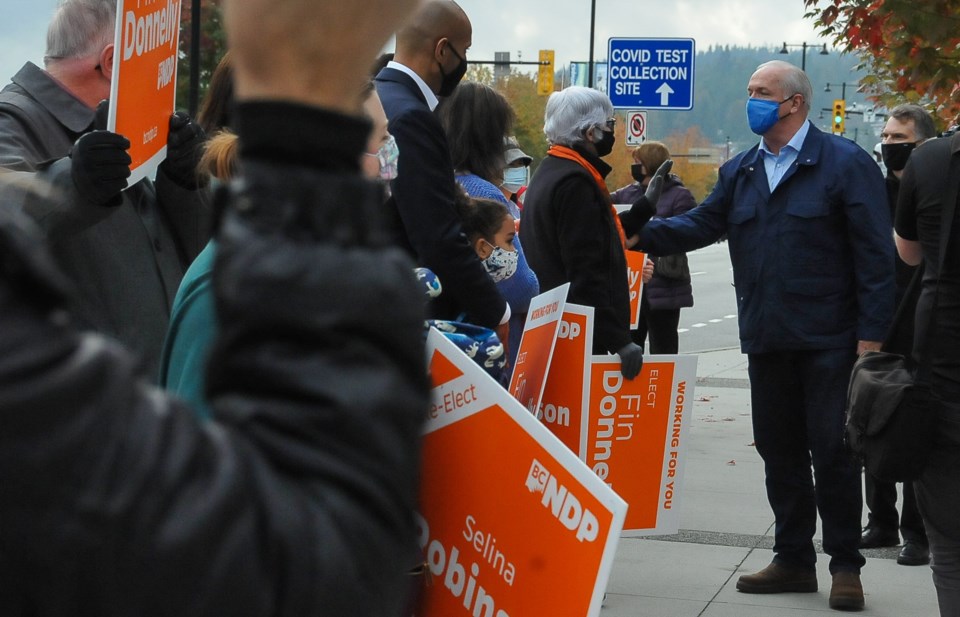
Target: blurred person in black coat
[297,498]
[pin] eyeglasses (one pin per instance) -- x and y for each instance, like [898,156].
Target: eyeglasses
[611,123]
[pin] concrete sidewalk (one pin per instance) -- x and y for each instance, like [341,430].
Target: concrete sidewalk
[726,529]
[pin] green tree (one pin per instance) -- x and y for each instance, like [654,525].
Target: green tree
[213,44]
[479,73]
[698,174]
[910,49]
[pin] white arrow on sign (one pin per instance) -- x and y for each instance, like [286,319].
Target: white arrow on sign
[664,91]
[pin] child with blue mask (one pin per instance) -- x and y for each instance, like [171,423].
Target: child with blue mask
[490,230]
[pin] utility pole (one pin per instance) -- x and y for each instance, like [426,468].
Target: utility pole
[593,23]
[194,98]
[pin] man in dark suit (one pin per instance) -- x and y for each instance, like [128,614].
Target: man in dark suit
[430,60]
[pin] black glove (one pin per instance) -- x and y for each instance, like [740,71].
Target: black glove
[103,114]
[100,166]
[631,360]
[655,187]
[184,149]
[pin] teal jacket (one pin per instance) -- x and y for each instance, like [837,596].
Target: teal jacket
[192,329]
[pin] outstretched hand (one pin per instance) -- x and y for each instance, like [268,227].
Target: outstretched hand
[655,187]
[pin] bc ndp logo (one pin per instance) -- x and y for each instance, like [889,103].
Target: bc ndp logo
[563,505]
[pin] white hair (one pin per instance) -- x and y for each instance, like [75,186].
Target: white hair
[793,81]
[80,27]
[573,111]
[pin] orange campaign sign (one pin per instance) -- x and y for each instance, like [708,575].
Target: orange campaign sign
[637,436]
[536,346]
[564,395]
[511,522]
[143,90]
[635,261]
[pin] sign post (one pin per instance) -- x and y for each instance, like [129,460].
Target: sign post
[651,73]
[636,127]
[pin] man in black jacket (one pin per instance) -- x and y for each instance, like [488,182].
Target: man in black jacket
[297,499]
[124,251]
[907,127]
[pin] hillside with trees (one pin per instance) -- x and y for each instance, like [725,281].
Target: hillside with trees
[716,127]
[700,139]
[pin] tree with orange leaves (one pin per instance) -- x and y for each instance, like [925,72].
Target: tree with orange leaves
[911,49]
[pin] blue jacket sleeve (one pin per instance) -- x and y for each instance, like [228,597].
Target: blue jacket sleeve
[695,228]
[869,230]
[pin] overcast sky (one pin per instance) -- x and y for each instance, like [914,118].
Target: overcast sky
[564,25]
[527,26]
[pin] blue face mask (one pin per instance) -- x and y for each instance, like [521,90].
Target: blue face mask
[515,177]
[762,114]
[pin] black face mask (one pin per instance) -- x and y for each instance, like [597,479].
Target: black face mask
[636,170]
[452,80]
[605,145]
[895,155]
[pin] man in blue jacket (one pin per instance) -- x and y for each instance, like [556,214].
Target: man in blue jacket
[809,236]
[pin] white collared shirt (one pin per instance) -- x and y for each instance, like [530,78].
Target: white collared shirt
[432,100]
[777,165]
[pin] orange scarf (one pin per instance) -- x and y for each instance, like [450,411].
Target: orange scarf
[563,152]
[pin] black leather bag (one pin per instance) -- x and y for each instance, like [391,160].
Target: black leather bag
[891,417]
[673,267]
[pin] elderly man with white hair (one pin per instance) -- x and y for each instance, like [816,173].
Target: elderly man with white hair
[570,230]
[125,251]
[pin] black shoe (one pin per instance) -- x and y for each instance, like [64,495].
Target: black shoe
[875,537]
[914,554]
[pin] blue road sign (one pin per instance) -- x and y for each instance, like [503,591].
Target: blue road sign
[650,73]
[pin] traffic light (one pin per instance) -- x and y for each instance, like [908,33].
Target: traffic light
[839,114]
[545,73]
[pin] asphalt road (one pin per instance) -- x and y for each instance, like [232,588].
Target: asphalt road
[712,321]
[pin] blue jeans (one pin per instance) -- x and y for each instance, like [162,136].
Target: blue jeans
[798,402]
[938,495]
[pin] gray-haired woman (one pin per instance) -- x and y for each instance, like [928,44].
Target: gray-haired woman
[570,230]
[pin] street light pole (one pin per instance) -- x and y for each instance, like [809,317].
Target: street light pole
[843,90]
[803,57]
[194,96]
[593,23]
